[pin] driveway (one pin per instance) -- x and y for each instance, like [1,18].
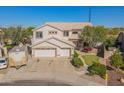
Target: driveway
[2,73]
[46,72]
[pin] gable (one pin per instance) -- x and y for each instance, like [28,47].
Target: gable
[47,28]
[45,45]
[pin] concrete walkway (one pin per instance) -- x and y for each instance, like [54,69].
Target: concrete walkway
[45,72]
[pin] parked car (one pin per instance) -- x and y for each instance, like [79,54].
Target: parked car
[3,63]
[87,49]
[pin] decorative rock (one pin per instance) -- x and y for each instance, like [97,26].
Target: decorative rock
[122,80]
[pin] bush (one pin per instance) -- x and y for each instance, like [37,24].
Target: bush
[9,46]
[116,60]
[77,62]
[98,69]
[76,54]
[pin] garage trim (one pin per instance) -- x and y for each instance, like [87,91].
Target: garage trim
[69,51]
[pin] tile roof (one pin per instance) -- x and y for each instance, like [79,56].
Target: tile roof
[68,25]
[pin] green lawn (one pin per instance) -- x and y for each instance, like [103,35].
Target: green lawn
[89,59]
[9,46]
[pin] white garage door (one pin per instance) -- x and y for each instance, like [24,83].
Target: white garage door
[45,53]
[65,52]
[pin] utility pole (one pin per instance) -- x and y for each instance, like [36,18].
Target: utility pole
[89,14]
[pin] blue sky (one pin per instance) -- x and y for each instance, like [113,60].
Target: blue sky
[36,16]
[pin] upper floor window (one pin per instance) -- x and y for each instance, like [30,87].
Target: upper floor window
[53,32]
[66,33]
[74,32]
[39,34]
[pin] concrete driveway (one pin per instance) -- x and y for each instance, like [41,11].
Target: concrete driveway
[45,72]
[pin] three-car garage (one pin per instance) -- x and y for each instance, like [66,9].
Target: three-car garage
[52,48]
[52,52]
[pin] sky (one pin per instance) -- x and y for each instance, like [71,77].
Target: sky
[38,15]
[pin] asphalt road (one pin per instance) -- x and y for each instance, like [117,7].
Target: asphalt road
[34,83]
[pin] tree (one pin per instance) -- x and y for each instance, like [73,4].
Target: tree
[100,34]
[87,35]
[94,34]
[17,34]
[116,60]
[114,31]
[110,42]
[1,35]
[26,35]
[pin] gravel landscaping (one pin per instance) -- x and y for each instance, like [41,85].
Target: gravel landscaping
[114,78]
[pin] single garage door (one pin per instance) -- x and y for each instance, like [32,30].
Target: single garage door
[45,53]
[65,52]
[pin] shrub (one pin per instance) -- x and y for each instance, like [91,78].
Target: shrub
[76,54]
[9,46]
[98,69]
[77,62]
[116,60]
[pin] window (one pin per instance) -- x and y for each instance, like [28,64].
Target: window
[74,32]
[66,33]
[53,32]
[39,35]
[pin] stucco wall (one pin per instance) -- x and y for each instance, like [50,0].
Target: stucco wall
[59,34]
[17,56]
[46,34]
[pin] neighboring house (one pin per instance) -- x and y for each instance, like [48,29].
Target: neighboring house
[120,41]
[1,53]
[18,56]
[56,39]
[1,50]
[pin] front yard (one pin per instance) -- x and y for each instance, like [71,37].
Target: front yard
[91,64]
[89,59]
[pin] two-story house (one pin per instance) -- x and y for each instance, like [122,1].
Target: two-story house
[56,39]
